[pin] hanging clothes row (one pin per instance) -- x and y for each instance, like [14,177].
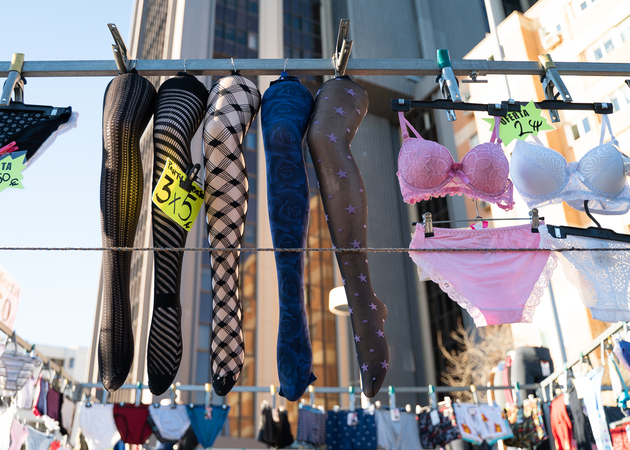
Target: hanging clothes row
[596,184]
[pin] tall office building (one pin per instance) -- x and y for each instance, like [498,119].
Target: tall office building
[275,29]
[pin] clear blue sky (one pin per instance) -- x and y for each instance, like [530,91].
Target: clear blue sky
[60,203]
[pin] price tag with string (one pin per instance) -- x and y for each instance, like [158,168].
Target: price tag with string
[178,195]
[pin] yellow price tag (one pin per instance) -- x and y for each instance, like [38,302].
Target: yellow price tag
[519,125]
[11,167]
[177,203]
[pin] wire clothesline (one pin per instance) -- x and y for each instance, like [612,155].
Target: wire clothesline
[300,250]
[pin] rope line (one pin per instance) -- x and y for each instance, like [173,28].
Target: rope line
[297,250]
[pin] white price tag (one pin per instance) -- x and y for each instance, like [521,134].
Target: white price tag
[546,368]
[435,418]
[395,414]
[353,419]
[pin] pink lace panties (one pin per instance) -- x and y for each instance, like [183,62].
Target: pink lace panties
[494,287]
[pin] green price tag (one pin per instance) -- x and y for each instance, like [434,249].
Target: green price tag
[11,167]
[519,125]
[178,204]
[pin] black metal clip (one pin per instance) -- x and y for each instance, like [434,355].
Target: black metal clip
[191,175]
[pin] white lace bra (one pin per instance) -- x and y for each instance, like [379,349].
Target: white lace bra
[543,177]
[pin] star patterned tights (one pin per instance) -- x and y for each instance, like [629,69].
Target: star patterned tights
[339,108]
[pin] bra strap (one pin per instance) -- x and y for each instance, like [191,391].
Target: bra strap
[606,124]
[495,131]
[403,126]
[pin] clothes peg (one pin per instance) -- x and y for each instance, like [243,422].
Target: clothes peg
[208,396]
[272,390]
[352,398]
[473,390]
[191,175]
[119,49]
[104,395]
[490,394]
[311,395]
[418,409]
[427,220]
[432,397]
[448,83]
[14,82]
[173,395]
[533,214]
[138,393]
[392,397]
[343,48]
[552,80]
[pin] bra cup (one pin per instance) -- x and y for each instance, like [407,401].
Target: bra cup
[602,168]
[536,170]
[424,164]
[487,168]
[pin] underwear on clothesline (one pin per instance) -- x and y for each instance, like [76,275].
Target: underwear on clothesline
[207,423]
[479,423]
[98,426]
[494,287]
[437,427]
[131,421]
[311,425]
[169,424]
[601,277]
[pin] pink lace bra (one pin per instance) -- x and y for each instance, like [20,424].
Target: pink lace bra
[426,169]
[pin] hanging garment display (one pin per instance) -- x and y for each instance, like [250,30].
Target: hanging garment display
[53,402]
[179,109]
[16,370]
[127,110]
[543,177]
[426,169]
[561,426]
[131,421]
[98,426]
[339,108]
[479,423]
[529,365]
[67,414]
[599,276]
[396,435]
[274,428]
[527,425]
[518,280]
[19,433]
[232,106]
[437,427]
[589,388]
[169,423]
[40,396]
[621,349]
[36,440]
[285,113]
[351,430]
[34,128]
[207,423]
[7,412]
[311,425]
[621,437]
[26,395]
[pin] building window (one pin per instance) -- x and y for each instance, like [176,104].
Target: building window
[609,41]
[71,363]
[620,97]
[580,128]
